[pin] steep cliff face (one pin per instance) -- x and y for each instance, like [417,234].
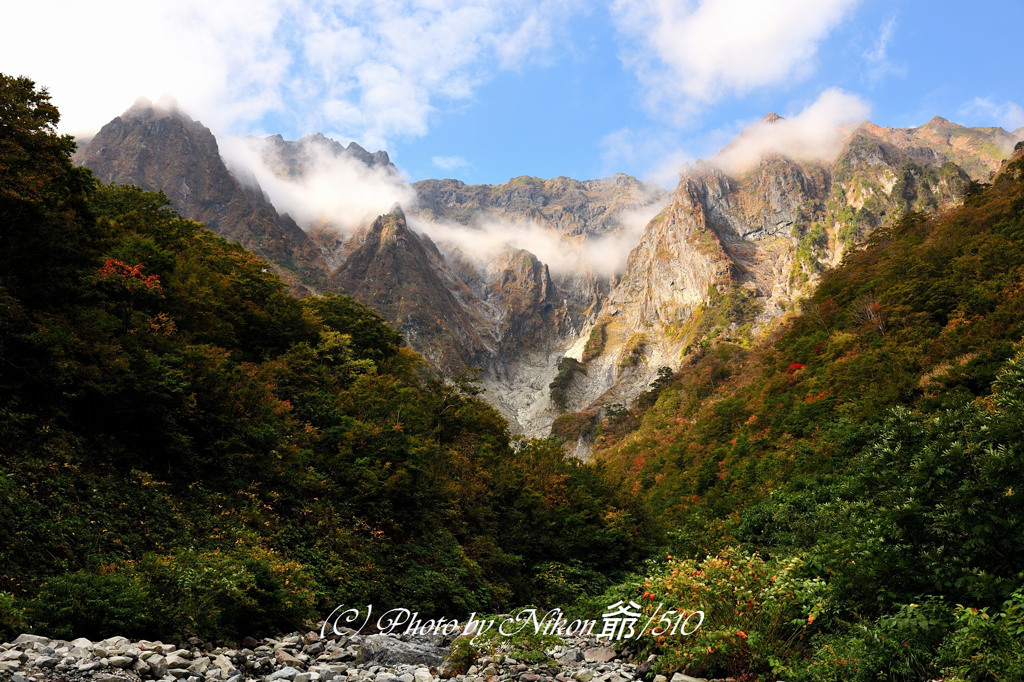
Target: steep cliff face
[731,253]
[536,315]
[978,151]
[334,191]
[519,287]
[402,277]
[592,218]
[570,207]
[297,158]
[679,258]
[162,149]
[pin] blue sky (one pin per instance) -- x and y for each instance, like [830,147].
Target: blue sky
[486,90]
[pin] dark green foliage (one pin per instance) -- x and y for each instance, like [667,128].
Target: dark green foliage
[185,448]
[12,617]
[91,604]
[372,339]
[984,643]
[568,368]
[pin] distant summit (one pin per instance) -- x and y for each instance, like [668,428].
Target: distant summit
[294,158]
[159,148]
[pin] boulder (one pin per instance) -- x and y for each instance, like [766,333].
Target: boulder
[390,651]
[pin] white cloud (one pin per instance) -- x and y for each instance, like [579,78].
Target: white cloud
[877,58]
[360,69]
[814,134]
[332,188]
[486,240]
[450,163]
[692,53]
[1007,115]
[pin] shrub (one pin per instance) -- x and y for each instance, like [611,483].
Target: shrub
[758,614]
[12,618]
[213,594]
[899,647]
[986,646]
[568,368]
[92,605]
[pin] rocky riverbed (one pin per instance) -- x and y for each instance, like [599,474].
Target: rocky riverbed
[348,657]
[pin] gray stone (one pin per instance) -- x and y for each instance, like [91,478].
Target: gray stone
[107,677]
[422,675]
[679,677]
[200,665]
[158,664]
[390,651]
[179,673]
[302,677]
[13,655]
[116,642]
[601,654]
[386,677]
[46,661]
[176,661]
[285,658]
[583,675]
[31,639]
[285,673]
[18,677]
[119,661]
[660,678]
[86,666]
[81,642]
[407,677]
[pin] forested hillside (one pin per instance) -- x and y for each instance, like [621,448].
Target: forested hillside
[186,448]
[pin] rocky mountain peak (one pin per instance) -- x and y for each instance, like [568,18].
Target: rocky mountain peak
[772,118]
[162,149]
[143,109]
[296,158]
[403,277]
